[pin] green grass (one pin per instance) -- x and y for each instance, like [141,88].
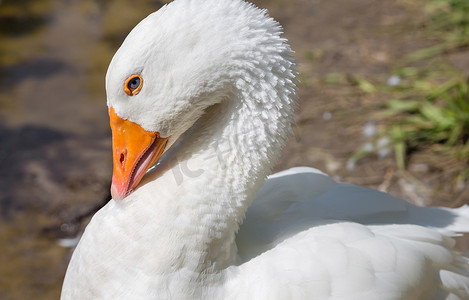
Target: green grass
[429,108]
[429,113]
[446,21]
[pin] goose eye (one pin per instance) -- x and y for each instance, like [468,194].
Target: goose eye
[133,84]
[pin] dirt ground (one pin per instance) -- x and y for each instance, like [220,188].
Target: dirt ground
[54,136]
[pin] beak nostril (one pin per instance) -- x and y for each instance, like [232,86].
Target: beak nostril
[122,158]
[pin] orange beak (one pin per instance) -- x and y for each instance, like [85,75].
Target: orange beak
[134,151]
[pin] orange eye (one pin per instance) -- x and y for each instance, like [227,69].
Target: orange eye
[133,84]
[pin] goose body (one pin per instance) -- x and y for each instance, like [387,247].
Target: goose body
[209,87]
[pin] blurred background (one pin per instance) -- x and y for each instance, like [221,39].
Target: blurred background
[384,101]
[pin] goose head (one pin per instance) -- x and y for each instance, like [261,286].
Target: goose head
[176,63]
[158,84]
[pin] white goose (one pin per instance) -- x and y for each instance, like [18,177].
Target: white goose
[210,84]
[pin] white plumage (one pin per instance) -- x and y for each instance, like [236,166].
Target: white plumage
[219,82]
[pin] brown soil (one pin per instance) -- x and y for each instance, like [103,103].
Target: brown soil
[55,141]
